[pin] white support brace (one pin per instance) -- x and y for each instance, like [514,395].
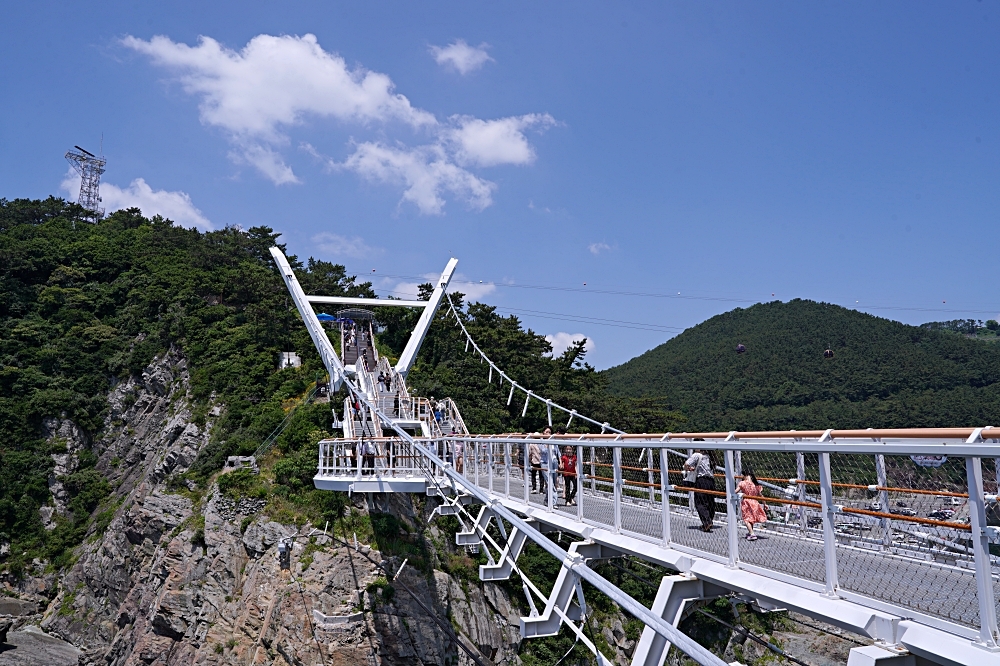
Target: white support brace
[549,621]
[371,302]
[333,364]
[409,355]
[472,537]
[509,555]
[671,598]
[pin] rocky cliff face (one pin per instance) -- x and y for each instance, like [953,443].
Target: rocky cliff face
[184,578]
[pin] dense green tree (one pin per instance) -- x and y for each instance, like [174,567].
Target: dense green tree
[83,306]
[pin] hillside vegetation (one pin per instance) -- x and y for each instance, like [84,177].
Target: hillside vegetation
[883,373]
[84,306]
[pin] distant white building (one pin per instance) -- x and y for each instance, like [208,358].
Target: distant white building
[289,360]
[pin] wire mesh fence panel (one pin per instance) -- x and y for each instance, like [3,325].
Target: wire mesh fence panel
[640,507]
[598,487]
[500,467]
[695,509]
[789,538]
[903,532]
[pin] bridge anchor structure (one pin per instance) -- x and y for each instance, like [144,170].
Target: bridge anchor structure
[890,534]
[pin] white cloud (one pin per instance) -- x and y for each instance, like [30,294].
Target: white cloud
[473,289]
[426,172]
[500,141]
[176,206]
[562,341]
[461,56]
[267,161]
[597,248]
[274,83]
[342,246]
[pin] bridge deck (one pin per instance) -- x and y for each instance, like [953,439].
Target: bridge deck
[926,587]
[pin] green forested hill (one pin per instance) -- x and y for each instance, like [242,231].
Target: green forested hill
[84,306]
[883,373]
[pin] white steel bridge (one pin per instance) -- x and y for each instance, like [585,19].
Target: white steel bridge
[858,534]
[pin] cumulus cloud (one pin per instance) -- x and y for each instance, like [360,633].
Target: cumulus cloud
[342,246]
[461,57]
[176,206]
[473,289]
[597,248]
[492,142]
[275,82]
[259,93]
[425,171]
[562,341]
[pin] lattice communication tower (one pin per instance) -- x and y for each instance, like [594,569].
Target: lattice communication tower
[90,167]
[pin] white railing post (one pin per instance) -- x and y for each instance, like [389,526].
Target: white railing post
[475,458]
[664,497]
[579,482]
[829,536]
[649,474]
[617,465]
[800,475]
[732,511]
[524,468]
[506,468]
[550,482]
[981,551]
[489,463]
[593,469]
[691,492]
[883,498]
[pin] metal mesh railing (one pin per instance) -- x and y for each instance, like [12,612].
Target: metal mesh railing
[892,528]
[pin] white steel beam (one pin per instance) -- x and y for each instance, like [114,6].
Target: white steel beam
[333,364]
[409,355]
[371,302]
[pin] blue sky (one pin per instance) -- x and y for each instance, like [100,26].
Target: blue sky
[650,163]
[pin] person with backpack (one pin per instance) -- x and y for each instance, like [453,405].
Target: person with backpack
[698,474]
[752,510]
[369,449]
[535,461]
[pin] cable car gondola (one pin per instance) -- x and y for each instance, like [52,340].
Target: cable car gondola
[740,349]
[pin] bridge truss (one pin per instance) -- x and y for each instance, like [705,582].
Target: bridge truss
[840,543]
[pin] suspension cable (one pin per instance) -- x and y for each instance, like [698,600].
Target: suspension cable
[573,414]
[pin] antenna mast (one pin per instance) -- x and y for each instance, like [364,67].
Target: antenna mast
[90,167]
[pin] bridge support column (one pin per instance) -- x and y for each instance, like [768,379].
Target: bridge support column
[672,596]
[981,550]
[873,655]
[829,536]
[579,482]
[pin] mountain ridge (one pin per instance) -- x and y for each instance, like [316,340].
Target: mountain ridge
[883,373]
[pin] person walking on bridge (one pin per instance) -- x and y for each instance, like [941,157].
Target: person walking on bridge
[700,466]
[752,510]
[535,460]
[568,468]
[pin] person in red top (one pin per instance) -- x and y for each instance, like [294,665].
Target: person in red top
[568,467]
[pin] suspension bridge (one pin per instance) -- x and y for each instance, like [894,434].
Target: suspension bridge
[889,534]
